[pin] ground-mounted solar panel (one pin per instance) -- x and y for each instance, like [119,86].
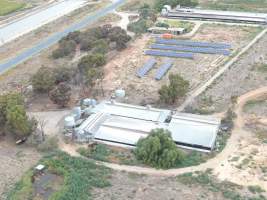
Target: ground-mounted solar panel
[146,67]
[193,43]
[206,50]
[170,54]
[163,69]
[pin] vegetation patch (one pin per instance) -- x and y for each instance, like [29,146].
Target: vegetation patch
[79,175]
[236,5]
[227,189]
[8,6]
[188,26]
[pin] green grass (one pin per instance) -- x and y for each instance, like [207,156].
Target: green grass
[236,5]
[179,24]
[80,176]
[9,6]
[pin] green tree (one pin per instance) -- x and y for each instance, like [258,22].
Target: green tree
[177,87]
[61,94]
[158,150]
[100,47]
[91,61]
[18,122]
[43,80]
[63,74]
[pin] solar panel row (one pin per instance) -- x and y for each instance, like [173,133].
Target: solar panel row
[169,54]
[191,49]
[163,69]
[147,66]
[193,43]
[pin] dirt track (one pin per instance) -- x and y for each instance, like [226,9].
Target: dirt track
[241,142]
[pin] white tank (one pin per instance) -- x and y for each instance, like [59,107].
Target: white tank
[87,102]
[93,102]
[77,112]
[120,93]
[69,122]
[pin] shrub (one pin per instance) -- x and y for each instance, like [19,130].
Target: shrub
[162,24]
[255,189]
[177,87]
[63,74]
[61,94]
[66,47]
[43,80]
[50,144]
[91,61]
[140,26]
[158,150]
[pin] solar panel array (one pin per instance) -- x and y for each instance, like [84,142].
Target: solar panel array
[193,43]
[163,69]
[147,66]
[170,54]
[191,49]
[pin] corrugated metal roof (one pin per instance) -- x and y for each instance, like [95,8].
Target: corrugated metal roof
[132,111]
[128,124]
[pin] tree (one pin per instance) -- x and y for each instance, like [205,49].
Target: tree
[100,47]
[13,118]
[43,80]
[177,87]
[66,47]
[91,61]
[61,94]
[158,150]
[62,74]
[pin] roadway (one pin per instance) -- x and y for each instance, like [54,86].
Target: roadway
[47,42]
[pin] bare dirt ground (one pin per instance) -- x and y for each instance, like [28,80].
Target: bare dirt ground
[121,71]
[15,161]
[242,77]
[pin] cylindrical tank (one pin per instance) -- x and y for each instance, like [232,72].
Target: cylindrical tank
[120,93]
[69,122]
[87,102]
[93,102]
[77,112]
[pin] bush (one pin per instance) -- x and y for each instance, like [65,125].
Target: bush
[177,87]
[158,150]
[140,26]
[61,94]
[100,47]
[66,47]
[43,80]
[255,189]
[162,24]
[98,152]
[63,74]
[50,144]
[91,61]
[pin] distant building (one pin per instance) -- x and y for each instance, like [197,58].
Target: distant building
[216,15]
[162,30]
[123,125]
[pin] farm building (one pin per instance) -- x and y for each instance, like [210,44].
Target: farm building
[162,30]
[230,16]
[123,125]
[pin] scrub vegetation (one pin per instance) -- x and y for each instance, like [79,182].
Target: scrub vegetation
[227,189]
[80,177]
[236,5]
[9,6]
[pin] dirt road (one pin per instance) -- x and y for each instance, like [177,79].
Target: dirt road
[240,143]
